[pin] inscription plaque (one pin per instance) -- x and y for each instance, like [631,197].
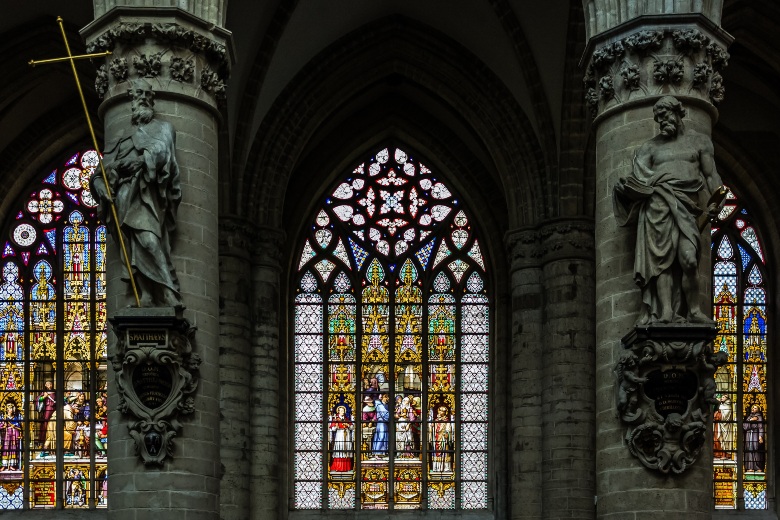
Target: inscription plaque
[152,384]
[671,390]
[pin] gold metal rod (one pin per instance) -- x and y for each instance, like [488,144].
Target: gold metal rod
[33,63]
[102,168]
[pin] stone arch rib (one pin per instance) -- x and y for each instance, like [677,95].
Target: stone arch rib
[428,60]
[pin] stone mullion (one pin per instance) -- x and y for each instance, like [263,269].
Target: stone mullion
[268,447]
[234,367]
[568,362]
[525,439]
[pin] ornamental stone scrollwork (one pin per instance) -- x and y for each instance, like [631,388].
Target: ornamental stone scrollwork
[672,60]
[664,392]
[156,375]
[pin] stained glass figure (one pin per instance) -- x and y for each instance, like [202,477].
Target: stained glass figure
[53,430]
[740,443]
[391,373]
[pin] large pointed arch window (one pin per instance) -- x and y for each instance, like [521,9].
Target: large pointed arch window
[740,441]
[391,346]
[53,431]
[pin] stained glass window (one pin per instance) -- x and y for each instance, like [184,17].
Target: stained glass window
[740,441]
[391,339]
[53,430]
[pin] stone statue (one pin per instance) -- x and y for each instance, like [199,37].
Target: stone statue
[672,183]
[144,180]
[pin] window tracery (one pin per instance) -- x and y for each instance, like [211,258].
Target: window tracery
[740,442]
[391,346]
[53,429]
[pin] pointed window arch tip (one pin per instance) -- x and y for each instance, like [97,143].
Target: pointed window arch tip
[391,373]
[740,295]
[53,344]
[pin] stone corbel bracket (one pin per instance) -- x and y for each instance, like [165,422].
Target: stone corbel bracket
[156,374]
[665,391]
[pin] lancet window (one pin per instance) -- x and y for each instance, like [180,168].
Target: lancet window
[53,430]
[391,346]
[740,287]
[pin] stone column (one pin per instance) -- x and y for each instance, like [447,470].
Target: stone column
[629,67]
[235,289]
[568,359]
[267,404]
[185,60]
[525,487]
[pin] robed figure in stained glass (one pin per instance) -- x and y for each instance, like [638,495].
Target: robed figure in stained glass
[341,440]
[11,441]
[379,441]
[755,453]
[441,442]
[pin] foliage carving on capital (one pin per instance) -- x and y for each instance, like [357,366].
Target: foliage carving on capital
[119,69]
[101,81]
[148,67]
[182,70]
[655,62]
[211,82]
[144,45]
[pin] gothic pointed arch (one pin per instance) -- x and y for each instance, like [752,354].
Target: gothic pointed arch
[385,52]
[391,345]
[53,429]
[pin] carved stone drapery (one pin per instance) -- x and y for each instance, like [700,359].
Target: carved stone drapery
[156,376]
[665,391]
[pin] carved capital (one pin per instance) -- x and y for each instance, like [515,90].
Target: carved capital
[682,58]
[554,240]
[664,392]
[170,53]
[522,248]
[268,247]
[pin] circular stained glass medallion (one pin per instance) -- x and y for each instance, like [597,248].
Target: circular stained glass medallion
[24,235]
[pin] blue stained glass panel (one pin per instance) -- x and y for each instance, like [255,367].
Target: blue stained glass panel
[746,258]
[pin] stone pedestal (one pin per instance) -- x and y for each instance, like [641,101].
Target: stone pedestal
[185,59]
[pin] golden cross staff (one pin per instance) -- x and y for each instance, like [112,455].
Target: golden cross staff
[72,59]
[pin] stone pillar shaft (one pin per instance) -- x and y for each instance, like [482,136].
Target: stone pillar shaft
[268,443]
[568,359]
[629,68]
[234,367]
[173,52]
[525,486]
[552,370]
